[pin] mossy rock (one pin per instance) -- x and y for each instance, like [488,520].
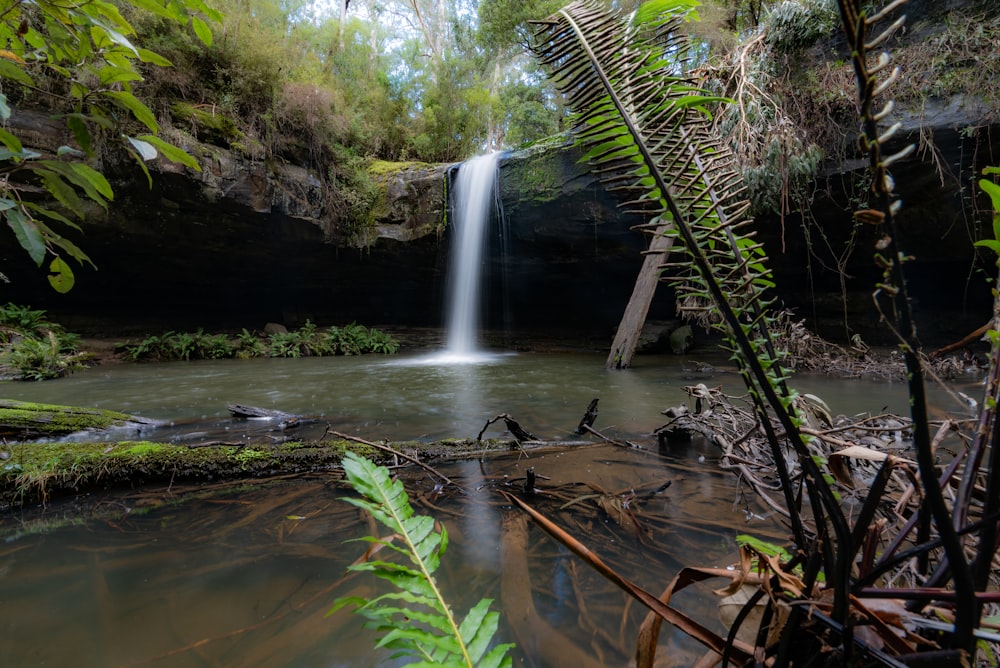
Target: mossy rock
[208,124]
[382,168]
[25,420]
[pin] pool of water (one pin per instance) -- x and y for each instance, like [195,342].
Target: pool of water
[418,396]
[244,574]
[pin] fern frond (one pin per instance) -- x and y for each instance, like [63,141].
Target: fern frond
[416,620]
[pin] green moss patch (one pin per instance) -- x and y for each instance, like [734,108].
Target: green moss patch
[207,123]
[382,168]
[38,472]
[21,419]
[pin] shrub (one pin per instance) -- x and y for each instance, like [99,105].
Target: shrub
[307,341]
[797,24]
[34,348]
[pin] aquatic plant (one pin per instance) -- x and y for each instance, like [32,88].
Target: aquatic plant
[415,619]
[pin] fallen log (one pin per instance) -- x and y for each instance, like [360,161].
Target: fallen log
[244,411]
[23,420]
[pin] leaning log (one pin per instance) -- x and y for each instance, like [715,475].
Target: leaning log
[627,335]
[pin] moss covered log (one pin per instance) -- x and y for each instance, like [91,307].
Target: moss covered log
[39,472]
[25,420]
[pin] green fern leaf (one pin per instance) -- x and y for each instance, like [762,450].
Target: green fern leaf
[415,620]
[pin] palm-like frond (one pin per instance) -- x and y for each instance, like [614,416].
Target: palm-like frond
[858,23]
[647,129]
[416,620]
[648,132]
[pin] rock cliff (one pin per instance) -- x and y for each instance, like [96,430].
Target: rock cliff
[245,241]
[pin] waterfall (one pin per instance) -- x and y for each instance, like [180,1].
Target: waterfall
[473,197]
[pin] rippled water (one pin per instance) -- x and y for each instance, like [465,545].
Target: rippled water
[244,576]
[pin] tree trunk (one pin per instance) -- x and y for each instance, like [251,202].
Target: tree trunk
[627,336]
[343,23]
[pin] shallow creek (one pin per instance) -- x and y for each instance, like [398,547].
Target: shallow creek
[415,397]
[243,575]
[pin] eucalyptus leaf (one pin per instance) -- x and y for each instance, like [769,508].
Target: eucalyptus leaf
[202,30]
[15,72]
[12,143]
[153,58]
[70,151]
[62,191]
[171,152]
[138,109]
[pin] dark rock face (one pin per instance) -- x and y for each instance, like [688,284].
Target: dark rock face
[572,258]
[944,212]
[236,245]
[240,244]
[243,243]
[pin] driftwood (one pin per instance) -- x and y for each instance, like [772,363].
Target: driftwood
[967,340]
[287,420]
[242,411]
[588,418]
[519,432]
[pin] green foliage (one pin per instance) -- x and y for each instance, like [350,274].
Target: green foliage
[993,190]
[796,24]
[22,317]
[209,125]
[248,345]
[81,59]
[415,619]
[307,341]
[660,151]
[504,23]
[35,358]
[32,348]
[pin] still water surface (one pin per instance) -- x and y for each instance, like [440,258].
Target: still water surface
[244,576]
[404,397]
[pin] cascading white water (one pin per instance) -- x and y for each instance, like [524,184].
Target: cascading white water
[473,203]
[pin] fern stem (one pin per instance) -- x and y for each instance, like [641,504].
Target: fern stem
[968,609]
[428,577]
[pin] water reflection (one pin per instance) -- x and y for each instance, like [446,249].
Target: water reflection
[245,576]
[418,397]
